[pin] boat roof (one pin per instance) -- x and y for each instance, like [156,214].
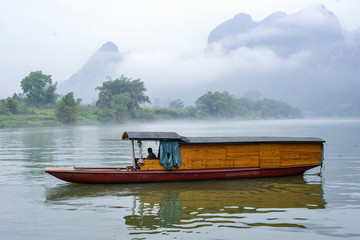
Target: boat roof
[173,136]
[234,140]
[151,136]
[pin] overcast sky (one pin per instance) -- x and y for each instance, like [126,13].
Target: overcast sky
[58,37]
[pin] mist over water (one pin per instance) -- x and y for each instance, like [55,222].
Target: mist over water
[38,206]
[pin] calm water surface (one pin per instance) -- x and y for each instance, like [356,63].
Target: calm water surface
[35,205]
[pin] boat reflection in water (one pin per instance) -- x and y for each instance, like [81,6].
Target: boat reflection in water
[190,205]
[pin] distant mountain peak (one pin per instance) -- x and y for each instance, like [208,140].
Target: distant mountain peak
[311,29]
[241,22]
[317,13]
[104,62]
[273,17]
[109,47]
[243,17]
[319,8]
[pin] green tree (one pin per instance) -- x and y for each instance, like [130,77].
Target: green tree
[3,107]
[105,114]
[12,104]
[269,108]
[245,107]
[218,104]
[119,105]
[38,88]
[193,112]
[67,109]
[123,96]
[50,95]
[176,104]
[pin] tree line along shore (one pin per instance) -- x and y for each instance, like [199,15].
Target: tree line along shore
[123,100]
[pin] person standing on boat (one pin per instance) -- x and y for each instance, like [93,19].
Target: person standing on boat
[151,154]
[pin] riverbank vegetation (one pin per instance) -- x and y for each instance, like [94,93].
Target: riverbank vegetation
[123,99]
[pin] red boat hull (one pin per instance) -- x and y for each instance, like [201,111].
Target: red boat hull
[116,175]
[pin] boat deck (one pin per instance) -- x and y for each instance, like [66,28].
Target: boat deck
[83,169]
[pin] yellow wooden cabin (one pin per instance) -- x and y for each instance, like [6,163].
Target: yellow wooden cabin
[234,152]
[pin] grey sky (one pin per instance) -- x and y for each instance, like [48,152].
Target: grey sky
[58,37]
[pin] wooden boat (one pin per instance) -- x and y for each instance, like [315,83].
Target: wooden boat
[205,158]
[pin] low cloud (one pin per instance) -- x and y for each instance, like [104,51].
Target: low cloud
[167,69]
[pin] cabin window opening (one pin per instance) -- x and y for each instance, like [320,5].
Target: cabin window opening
[144,150]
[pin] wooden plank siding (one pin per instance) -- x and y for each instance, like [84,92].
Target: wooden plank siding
[300,154]
[243,155]
[152,164]
[263,155]
[270,155]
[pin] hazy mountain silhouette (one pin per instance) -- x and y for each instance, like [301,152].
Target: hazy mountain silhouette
[101,64]
[313,29]
[325,79]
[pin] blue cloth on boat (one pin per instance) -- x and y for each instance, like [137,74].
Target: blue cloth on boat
[170,155]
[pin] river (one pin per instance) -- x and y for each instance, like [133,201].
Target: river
[35,205]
